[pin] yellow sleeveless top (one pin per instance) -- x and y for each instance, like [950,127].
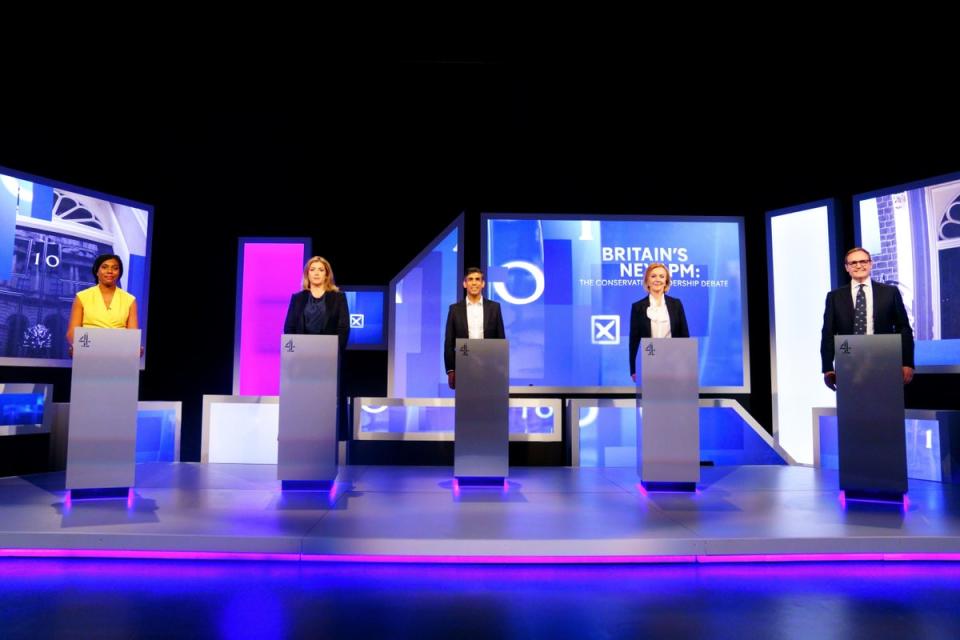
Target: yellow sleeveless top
[96,314]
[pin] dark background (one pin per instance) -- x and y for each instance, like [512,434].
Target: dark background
[373,158]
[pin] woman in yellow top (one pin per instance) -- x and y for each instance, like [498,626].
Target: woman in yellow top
[104,304]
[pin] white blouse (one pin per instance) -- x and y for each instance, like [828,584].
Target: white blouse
[659,319]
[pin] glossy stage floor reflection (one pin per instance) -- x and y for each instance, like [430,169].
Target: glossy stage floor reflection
[416,514]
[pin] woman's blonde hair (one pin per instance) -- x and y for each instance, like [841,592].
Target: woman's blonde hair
[651,267]
[330,284]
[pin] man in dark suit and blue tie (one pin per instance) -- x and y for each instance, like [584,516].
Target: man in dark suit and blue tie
[864,307]
[473,317]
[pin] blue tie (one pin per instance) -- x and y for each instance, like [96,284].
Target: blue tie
[860,313]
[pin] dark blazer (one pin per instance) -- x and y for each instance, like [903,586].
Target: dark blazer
[338,315]
[889,316]
[640,324]
[457,327]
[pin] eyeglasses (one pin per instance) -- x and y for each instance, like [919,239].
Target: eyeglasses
[858,263]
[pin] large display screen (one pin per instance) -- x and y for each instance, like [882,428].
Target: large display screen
[50,235]
[566,285]
[913,234]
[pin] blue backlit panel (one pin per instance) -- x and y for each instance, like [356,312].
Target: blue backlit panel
[419,299]
[367,306]
[21,409]
[608,438]
[158,433]
[433,419]
[923,447]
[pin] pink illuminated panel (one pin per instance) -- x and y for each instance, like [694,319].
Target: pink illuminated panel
[269,273]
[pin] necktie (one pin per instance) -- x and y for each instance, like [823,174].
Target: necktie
[860,313]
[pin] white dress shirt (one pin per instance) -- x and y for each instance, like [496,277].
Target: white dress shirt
[475,319]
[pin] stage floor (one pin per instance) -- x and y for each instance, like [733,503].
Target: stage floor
[415,514]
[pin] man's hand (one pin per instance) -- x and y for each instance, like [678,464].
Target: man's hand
[830,379]
[634,376]
[452,379]
[907,375]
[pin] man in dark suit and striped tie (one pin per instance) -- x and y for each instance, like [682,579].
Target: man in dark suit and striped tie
[864,307]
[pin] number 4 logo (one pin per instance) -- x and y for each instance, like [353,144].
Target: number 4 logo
[465,351]
[84,340]
[845,348]
[288,346]
[650,350]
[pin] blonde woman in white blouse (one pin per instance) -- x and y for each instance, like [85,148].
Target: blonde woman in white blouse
[656,316]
